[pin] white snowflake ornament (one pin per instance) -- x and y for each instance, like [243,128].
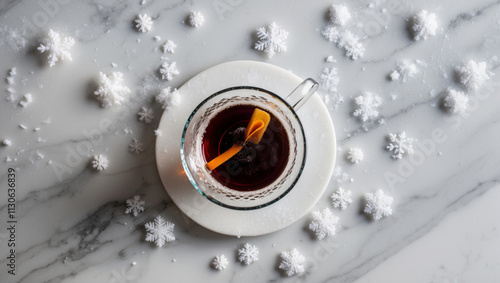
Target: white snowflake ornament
[472,75]
[134,205]
[168,97]
[57,48]
[169,47]
[111,90]
[292,262]
[144,23]
[423,25]
[456,102]
[168,70]
[355,155]
[329,80]
[367,106]
[341,198]
[378,204]
[248,254]
[271,39]
[220,262]
[159,231]
[324,223]
[136,146]
[100,162]
[196,19]
[400,144]
[146,115]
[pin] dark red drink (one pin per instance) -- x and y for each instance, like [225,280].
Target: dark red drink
[256,165]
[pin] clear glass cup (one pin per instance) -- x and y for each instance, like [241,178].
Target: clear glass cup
[284,109]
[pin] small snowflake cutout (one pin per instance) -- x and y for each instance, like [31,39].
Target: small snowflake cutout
[136,146]
[456,102]
[144,23]
[292,262]
[134,205]
[355,155]
[341,198]
[168,97]
[169,47]
[57,48]
[220,262]
[168,70]
[271,40]
[100,162]
[160,231]
[378,204]
[400,144]
[111,90]
[248,254]
[367,106]
[196,19]
[324,223]
[146,115]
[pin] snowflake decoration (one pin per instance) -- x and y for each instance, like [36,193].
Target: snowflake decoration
[111,90]
[134,205]
[339,14]
[341,198]
[271,40]
[349,42]
[248,254]
[292,262]
[168,97]
[400,144]
[146,115]
[100,162]
[58,48]
[355,155]
[220,262]
[136,146]
[456,102]
[331,34]
[472,75]
[159,231]
[169,47]
[329,80]
[324,223]
[168,71]
[196,19]
[367,106]
[405,69]
[378,204]
[424,24]
[144,23]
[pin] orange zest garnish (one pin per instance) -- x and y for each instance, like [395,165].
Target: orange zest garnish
[254,132]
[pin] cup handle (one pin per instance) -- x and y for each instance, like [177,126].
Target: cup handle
[302,93]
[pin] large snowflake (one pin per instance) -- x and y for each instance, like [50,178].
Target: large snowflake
[292,262]
[378,204]
[111,90]
[400,144]
[248,254]
[134,205]
[324,223]
[271,39]
[58,48]
[160,231]
[341,198]
[367,106]
[168,71]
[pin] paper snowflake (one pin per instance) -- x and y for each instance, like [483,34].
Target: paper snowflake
[168,71]
[220,262]
[134,205]
[324,223]
[424,24]
[292,262]
[400,144]
[144,23]
[100,162]
[341,198]
[472,75]
[168,97]
[196,19]
[367,106]
[111,90]
[248,254]
[136,146]
[355,155]
[159,231]
[169,46]
[456,102]
[57,48]
[378,204]
[339,14]
[271,40]
[146,115]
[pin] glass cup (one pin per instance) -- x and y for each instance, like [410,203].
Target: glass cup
[283,109]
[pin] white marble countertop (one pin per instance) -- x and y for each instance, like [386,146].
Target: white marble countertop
[70,222]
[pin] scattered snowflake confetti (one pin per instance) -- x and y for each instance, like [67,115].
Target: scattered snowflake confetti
[220,262]
[169,46]
[248,254]
[292,262]
[378,204]
[271,39]
[136,146]
[339,14]
[367,106]
[472,75]
[134,205]
[160,231]
[25,100]
[355,155]
[405,69]
[57,48]
[168,70]
[324,223]
[146,115]
[144,23]
[168,97]
[341,198]
[423,25]
[158,133]
[6,142]
[111,90]
[196,19]
[100,162]
[346,41]
[456,102]
[400,144]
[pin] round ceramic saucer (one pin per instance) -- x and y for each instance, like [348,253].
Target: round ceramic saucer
[320,159]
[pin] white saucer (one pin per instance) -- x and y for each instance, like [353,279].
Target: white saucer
[321,149]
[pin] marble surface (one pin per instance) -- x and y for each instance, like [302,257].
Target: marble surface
[70,222]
